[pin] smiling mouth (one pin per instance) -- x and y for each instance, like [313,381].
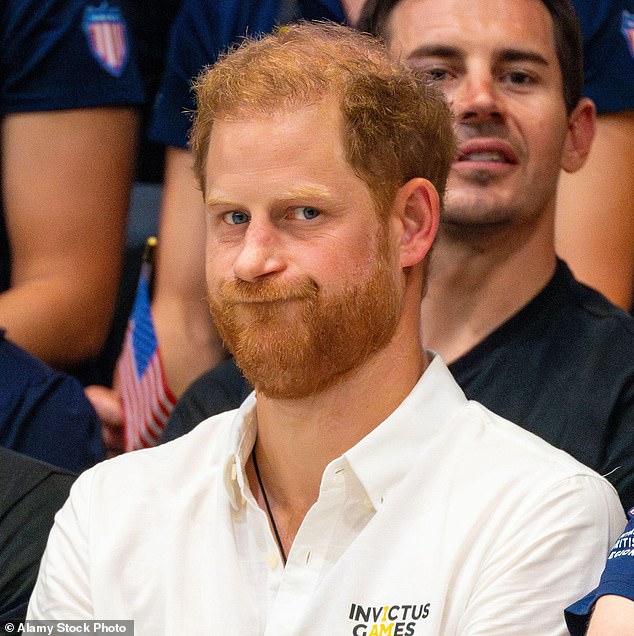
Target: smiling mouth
[490,150]
[495,157]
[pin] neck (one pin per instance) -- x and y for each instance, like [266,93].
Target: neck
[298,438]
[479,280]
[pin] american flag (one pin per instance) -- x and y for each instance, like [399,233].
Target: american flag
[147,400]
[106,31]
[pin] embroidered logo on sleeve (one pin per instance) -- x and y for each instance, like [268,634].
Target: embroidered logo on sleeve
[105,31]
[624,546]
[627,28]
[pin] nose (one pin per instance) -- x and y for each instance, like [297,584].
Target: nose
[260,252]
[477,98]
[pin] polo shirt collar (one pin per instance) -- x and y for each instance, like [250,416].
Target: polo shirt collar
[384,457]
[241,442]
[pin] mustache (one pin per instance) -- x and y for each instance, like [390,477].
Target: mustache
[465,130]
[235,292]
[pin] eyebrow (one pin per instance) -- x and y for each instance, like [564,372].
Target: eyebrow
[436,50]
[212,200]
[506,55]
[301,192]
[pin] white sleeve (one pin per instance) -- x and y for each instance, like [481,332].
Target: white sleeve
[553,553]
[62,590]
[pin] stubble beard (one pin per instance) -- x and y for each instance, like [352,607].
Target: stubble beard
[293,340]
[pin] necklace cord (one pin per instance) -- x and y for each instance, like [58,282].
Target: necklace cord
[278,539]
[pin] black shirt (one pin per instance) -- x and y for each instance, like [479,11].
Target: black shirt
[563,368]
[31,492]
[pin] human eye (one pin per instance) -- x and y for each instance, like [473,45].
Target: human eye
[518,78]
[235,217]
[434,71]
[435,75]
[304,213]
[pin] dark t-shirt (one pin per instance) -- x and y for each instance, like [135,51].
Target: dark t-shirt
[222,389]
[202,30]
[563,368]
[617,578]
[45,413]
[607,27]
[31,492]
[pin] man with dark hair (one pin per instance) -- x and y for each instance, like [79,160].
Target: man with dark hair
[520,334]
[357,491]
[602,191]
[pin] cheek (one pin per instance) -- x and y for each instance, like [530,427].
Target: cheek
[218,266]
[355,256]
[545,136]
[353,263]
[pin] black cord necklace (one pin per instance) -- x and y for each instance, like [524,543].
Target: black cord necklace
[268,507]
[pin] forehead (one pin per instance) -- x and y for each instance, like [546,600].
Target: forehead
[274,153]
[486,26]
[300,130]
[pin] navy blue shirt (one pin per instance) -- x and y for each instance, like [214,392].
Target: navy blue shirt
[202,30]
[608,42]
[45,413]
[617,578]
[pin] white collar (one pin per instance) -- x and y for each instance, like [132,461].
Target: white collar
[383,457]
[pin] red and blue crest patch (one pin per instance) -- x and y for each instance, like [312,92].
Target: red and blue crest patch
[627,28]
[105,29]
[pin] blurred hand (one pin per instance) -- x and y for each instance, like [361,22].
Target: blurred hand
[107,403]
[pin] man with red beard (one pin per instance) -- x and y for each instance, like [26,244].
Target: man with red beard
[356,491]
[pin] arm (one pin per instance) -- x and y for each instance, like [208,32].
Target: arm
[595,212]
[66,180]
[612,600]
[184,328]
[186,336]
[613,616]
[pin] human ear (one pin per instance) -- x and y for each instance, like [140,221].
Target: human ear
[416,207]
[579,136]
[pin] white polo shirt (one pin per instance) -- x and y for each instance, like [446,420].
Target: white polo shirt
[446,519]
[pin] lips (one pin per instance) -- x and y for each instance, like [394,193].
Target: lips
[487,151]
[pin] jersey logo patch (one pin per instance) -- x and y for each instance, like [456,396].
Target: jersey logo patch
[627,28]
[105,31]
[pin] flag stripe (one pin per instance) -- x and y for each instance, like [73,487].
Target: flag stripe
[147,401]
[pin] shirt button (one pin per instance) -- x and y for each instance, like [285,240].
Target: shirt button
[272,560]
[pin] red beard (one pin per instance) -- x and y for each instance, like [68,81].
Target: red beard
[292,340]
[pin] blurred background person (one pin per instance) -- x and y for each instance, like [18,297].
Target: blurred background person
[44,413]
[594,226]
[68,95]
